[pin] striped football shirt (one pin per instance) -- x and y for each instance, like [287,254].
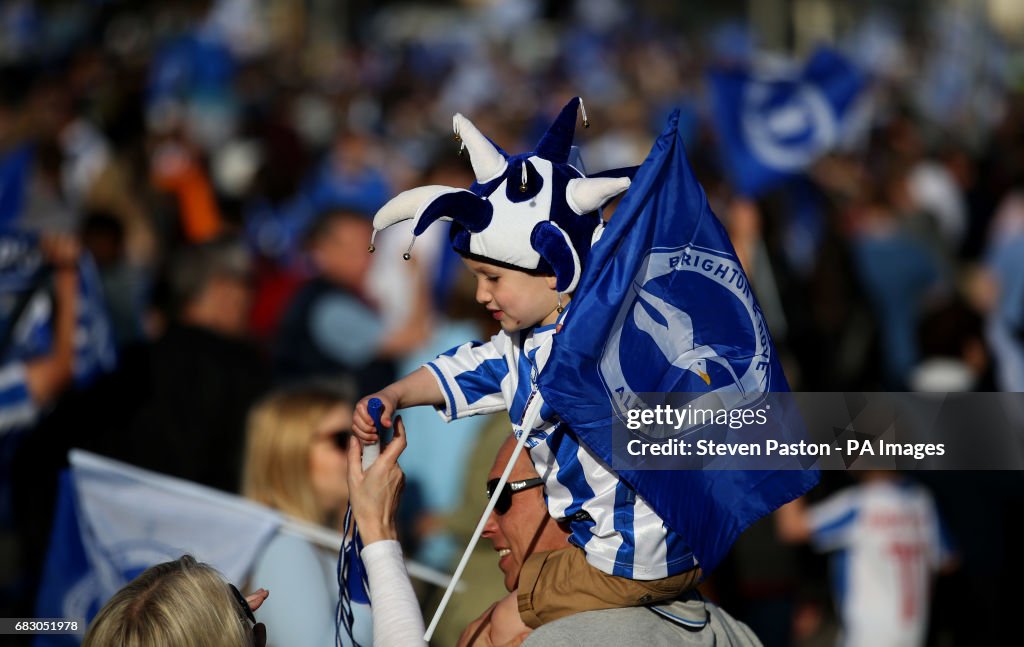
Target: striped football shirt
[621,534]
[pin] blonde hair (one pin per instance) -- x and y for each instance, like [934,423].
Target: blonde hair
[280,435]
[183,603]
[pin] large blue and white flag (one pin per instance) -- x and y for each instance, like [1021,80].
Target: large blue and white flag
[772,126]
[114,521]
[665,307]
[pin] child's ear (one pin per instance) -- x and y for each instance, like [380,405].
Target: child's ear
[552,282]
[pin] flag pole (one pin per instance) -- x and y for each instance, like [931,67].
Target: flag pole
[332,540]
[530,418]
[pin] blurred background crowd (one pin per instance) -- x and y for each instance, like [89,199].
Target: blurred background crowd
[186,191]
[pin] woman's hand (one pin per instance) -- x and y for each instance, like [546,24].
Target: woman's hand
[374,493]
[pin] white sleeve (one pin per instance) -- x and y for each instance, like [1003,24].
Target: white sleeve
[470,378]
[397,619]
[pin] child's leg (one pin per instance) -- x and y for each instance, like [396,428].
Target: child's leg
[558,583]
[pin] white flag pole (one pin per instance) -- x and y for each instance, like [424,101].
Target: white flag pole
[530,419]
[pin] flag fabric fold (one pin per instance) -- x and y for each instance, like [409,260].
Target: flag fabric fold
[665,307]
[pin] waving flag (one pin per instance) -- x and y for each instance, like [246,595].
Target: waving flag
[664,306]
[113,521]
[771,128]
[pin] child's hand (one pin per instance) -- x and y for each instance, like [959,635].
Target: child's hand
[362,423]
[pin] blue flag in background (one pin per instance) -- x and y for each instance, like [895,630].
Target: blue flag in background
[66,587]
[771,128]
[114,520]
[664,306]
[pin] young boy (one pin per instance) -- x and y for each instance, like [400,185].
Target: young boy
[524,229]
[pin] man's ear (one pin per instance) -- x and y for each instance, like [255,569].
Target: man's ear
[552,282]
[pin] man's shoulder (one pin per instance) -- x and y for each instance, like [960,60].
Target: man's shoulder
[626,626]
[642,625]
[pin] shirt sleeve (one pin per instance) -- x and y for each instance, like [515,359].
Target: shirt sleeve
[470,377]
[17,409]
[832,521]
[346,330]
[397,620]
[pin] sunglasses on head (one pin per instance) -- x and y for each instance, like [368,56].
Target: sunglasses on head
[338,438]
[511,487]
[243,604]
[257,630]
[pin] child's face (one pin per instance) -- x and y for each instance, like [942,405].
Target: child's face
[516,299]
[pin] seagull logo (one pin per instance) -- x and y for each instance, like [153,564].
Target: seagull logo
[675,338]
[730,356]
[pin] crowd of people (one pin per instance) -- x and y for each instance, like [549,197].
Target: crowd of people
[186,194]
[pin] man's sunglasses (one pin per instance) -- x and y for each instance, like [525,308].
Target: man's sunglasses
[511,487]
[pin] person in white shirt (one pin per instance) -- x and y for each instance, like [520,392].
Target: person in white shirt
[886,543]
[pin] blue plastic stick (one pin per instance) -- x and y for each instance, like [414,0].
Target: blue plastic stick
[376,409]
[370,452]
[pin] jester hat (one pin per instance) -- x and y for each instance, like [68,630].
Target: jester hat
[536,212]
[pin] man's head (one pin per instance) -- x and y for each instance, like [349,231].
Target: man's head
[526,527]
[210,286]
[337,245]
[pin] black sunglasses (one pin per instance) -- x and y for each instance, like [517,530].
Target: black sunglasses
[243,604]
[511,487]
[339,437]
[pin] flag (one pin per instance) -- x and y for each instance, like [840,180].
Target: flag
[113,521]
[15,169]
[20,259]
[773,126]
[27,311]
[663,284]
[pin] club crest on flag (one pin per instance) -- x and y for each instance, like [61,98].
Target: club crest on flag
[787,123]
[773,124]
[652,335]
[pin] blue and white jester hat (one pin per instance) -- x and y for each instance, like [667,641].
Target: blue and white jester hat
[536,212]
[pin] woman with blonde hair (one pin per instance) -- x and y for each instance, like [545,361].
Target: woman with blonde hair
[296,463]
[183,603]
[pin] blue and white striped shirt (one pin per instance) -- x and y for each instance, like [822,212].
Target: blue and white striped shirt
[623,536]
